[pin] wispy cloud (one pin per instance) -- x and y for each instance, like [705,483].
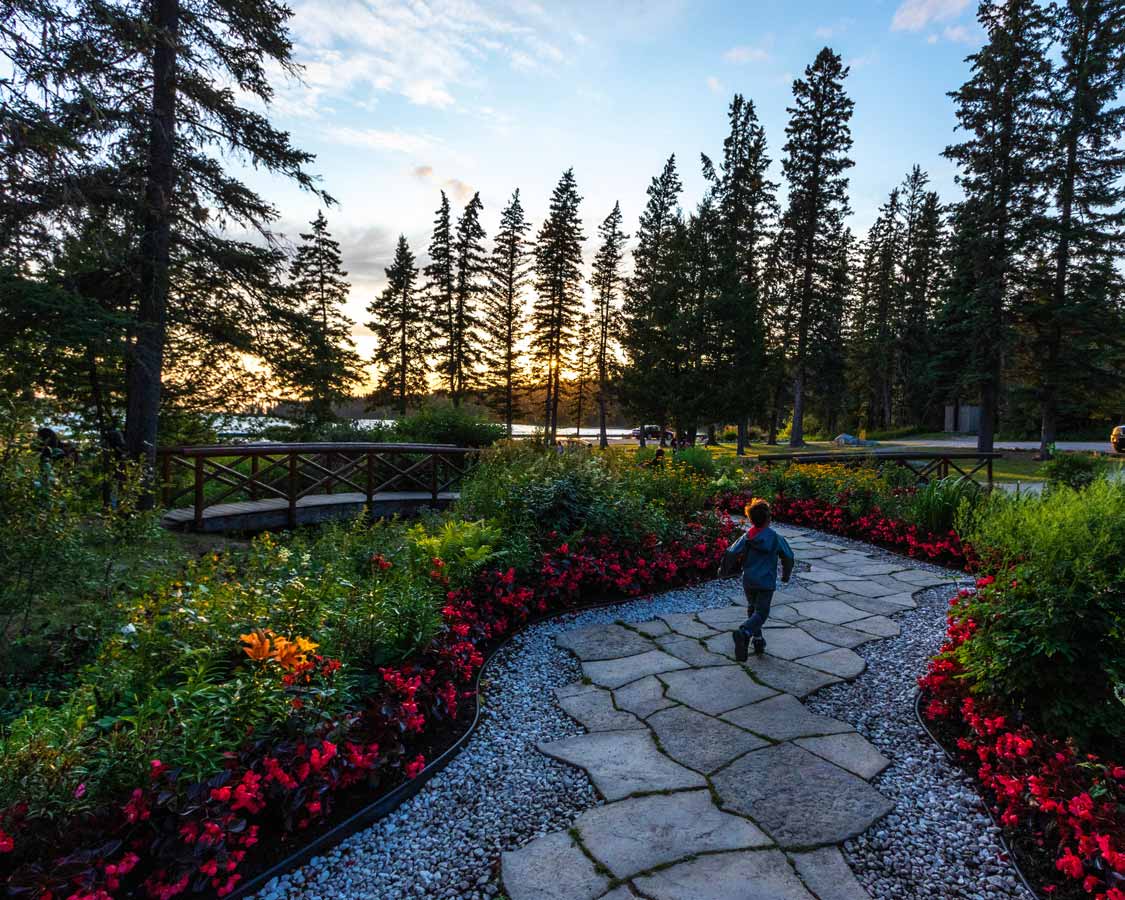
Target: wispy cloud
[714,85]
[959,34]
[458,190]
[375,139]
[827,32]
[914,15]
[745,53]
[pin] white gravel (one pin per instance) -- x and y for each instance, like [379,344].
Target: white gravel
[500,792]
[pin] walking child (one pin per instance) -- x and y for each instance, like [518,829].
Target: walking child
[759,550]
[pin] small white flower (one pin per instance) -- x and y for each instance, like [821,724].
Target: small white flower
[128,629]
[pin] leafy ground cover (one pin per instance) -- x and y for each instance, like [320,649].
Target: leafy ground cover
[243,697]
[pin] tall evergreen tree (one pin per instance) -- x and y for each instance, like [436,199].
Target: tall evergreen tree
[747,209]
[1083,176]
[650,301]
[816,158]
[320,366]
[504,321]
[1000,108]
[441,289]
[402,327]
[605,282]
[459,347]
[558,286]
[119,109]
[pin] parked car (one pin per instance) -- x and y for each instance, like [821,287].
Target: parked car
[652,432]
[1117,438]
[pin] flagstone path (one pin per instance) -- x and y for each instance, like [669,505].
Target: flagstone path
[719,783]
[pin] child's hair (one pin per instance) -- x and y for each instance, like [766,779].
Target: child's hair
[760,513]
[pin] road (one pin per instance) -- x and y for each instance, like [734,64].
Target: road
[971,444]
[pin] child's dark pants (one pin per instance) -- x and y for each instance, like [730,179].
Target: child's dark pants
[759,602]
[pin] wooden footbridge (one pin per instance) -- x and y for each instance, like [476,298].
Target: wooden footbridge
[254,487]
[925,466]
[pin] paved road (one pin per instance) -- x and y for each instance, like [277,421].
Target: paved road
[971,444]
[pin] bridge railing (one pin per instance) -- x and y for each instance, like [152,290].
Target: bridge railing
[206,476]
[924,466]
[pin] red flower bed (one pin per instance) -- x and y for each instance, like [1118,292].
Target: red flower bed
[873,528]
[168,839]
[1059,801]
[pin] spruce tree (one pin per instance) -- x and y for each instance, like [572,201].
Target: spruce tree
[459,346]
[441,290]
[321,366]
[650,302]
[504,320]
[1083,178]
[402,328]
[558,286]
[1000,108]
[816,158]
[605,283]
[747,209]
[120,108]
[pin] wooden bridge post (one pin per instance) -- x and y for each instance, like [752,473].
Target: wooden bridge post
[434,475]
[990,473]
[254,476]
[292,490]
[370,478]
[198,499]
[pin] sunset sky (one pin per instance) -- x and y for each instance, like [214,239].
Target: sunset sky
[400,100]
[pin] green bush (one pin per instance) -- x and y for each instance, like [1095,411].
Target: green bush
[448,425]
[935,506]
[1073,470]
[1050,636]
[698,459]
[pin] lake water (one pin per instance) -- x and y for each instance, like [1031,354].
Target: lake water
[239,426]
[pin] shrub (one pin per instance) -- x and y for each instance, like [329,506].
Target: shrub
[935,506]
[1049,636]
[448,425]
[698,459]
[1073,470]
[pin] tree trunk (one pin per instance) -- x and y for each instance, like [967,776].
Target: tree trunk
[144,381]
[740,450]
[988,403]
[603,440]
[797,430]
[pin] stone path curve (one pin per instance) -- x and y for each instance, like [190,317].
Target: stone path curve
[719,783]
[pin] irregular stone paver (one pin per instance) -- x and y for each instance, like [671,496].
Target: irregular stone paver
[839,635]
[866,588]
[847,664]
[904,600]
[593,708]
[745,875]
[792,642]
[687,625]
[700,742]
[850,751]
[921,578]
[790,677]
[642,698]
[873,568]
[642,832]
[826,873]
[602,642]
[691,651]
[653,629]
[799,799]
[725,617]
[613,673]
[880,626]
[835,612]
[784,613]
[714,691]
[619,893]
[551,867]
[782,718]
[876,607]
[621,763]
[820,573]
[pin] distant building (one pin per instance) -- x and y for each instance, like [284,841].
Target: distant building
[961,418]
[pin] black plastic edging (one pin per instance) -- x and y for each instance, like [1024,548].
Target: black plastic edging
[393,799]
[984,800]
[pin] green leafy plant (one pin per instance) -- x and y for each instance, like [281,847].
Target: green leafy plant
[1073,470]
[935,506]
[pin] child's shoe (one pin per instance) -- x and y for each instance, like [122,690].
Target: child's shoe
[759,646]
[741,644]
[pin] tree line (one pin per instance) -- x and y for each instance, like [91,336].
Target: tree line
[125,290]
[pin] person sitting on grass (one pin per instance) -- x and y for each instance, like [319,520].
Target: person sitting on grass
[759,550]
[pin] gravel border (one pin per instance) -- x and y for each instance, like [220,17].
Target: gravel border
[500,792]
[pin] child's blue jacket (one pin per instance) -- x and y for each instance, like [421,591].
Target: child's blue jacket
[759,571]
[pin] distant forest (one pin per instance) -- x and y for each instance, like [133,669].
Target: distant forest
[126,298]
